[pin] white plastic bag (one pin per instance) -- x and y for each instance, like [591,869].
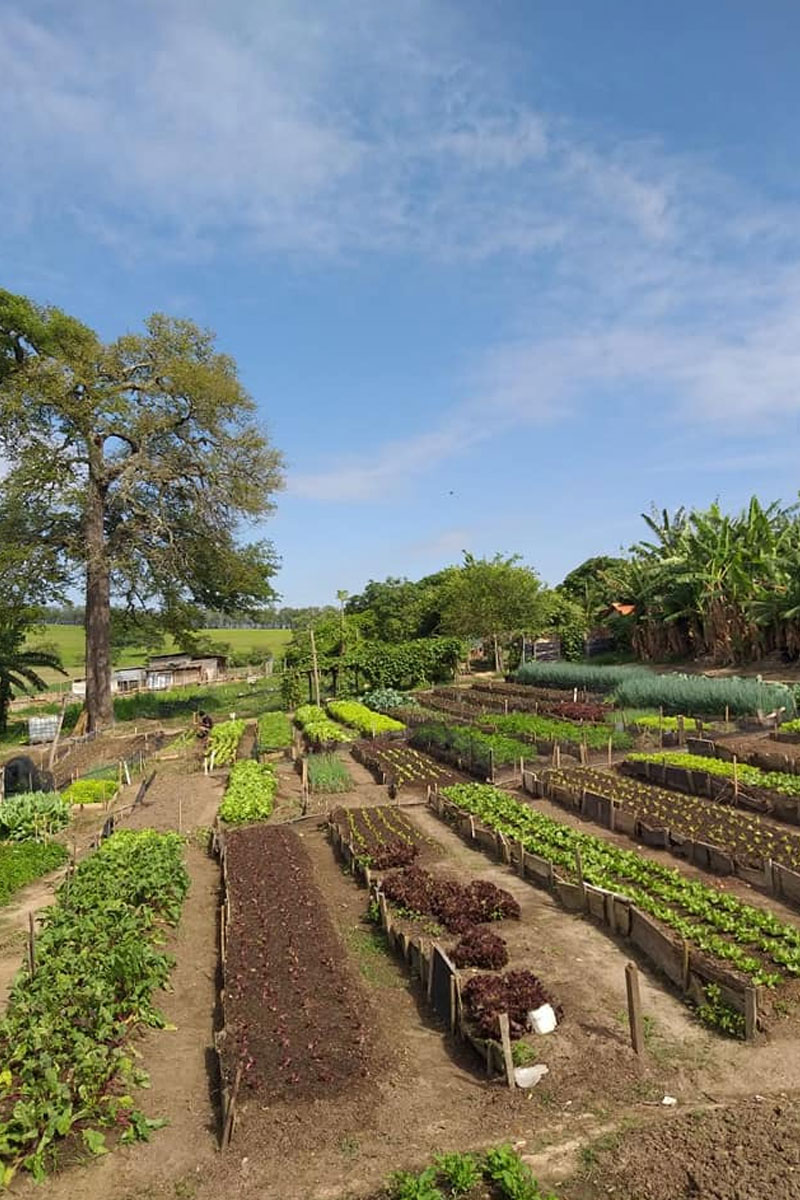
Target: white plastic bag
[542,1020]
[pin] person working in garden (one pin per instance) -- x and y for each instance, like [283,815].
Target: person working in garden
[204,725]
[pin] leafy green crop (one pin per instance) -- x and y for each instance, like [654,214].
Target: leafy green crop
[477,751]
[773,781]
[318,727]
[551,729]
[22,862]
[751,940]
[223,741]
[454,1175]
[370,723]
[636,687]
[66,1066]
[90,791]
[33,815]
[384,699]
[250,794]
[274,731]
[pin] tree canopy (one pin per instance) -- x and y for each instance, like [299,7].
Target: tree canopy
[134,464]
[493,599]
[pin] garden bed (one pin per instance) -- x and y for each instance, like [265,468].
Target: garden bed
[402,766]
[381,835]
[694,934]
[295,1025]
[776,793]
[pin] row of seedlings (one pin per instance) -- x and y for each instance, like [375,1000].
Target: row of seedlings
[719,838]
[724,955]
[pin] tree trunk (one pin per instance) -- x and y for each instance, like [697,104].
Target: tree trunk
[5,701]
[498,655]
[99,704]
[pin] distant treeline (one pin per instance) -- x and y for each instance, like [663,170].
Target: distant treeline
[277,618]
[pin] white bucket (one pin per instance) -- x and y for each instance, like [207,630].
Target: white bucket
[542,1020]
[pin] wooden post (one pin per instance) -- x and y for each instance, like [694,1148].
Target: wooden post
[681,731]
[735,777]
[579,869]
[230,1115]
[661,727]
[304,772]
[584,754]
[491,764]
[610,749]
[558,756]
[685,965]
[750,1013]
[31,944]
[505,1041]
[634,1008]
[727,714]
[127,772]
[315,665]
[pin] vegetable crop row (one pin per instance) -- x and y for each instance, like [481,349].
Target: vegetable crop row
[470,748]
[714,922]
[318,727]
[66,1065]
[636,687]
[549,729]
[359,717]
[327,774]
[274,732]
[402,765]
[223,741]
[33,815]
[454,1175]
[22,862]
[90,791]
[743,834]
[772,781]
[250,794]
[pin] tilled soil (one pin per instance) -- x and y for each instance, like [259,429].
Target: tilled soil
[294,1014]
[748,1152]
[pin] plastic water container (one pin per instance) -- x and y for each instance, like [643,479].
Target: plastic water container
[542,1020]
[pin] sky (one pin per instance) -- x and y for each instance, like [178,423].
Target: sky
[499,274]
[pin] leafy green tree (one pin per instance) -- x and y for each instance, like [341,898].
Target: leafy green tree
[139,459]
[591,584]
[19,667]
[493,599]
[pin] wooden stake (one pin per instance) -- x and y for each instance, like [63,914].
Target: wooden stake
[750,1013]
[579,869]
[230,1116]
[727,714]
[685,965]
[634,1008]
[505,1041]
[610,749]
[735,777]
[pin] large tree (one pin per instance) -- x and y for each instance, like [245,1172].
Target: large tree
[492,598]
[139,460]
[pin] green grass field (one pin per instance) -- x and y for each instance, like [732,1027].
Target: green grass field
[68,641]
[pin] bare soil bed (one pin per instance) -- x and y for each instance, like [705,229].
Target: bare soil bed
[294,1015]
[740,1153]
[401,766]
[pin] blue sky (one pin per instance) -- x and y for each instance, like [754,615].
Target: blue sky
[499,273]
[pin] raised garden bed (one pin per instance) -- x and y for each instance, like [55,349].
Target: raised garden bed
[401,766]
[774,792]
[294,1016]
[695,934]
[382,837]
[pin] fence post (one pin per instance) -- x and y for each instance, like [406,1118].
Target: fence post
[750,1013]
